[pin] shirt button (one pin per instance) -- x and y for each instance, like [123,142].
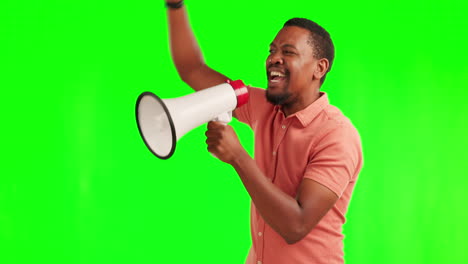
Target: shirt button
[260,234]
[274,153]
[259,262]
[283,127]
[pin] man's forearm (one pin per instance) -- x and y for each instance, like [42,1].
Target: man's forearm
[185,51]
[281,211]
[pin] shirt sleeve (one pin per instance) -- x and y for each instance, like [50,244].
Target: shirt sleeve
[256,98]
[336,159]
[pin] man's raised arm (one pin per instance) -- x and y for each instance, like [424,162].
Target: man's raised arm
[186,53]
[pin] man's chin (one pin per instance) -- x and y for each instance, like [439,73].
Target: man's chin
[276,98]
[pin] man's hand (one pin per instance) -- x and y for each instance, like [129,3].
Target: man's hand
[222,141]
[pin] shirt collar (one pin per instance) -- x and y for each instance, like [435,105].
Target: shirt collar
[306,115]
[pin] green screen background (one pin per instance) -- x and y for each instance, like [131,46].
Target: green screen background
[78,185]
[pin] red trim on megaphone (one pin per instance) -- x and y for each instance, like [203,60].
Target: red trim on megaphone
[241,91]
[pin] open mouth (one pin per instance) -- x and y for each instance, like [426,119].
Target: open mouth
[276,77]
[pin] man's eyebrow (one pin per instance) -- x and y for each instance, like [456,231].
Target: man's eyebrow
[289,46]
[284,46]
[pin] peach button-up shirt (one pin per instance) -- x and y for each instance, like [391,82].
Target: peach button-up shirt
[317,143]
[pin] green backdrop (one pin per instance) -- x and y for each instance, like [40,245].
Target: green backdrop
[77,184]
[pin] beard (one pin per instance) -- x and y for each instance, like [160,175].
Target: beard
[278,99]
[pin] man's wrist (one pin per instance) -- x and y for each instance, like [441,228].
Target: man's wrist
[174,4]
[241,158]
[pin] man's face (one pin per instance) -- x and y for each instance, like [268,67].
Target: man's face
[290,65]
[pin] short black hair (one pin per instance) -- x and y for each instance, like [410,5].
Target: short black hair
[319,40]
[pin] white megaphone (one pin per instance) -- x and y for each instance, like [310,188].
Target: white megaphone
[162,122]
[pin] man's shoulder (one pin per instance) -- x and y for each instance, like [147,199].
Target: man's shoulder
[335,120]
[257,107]
[334,114]
[258,93]
[258,102]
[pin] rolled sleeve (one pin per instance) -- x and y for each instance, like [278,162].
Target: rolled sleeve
[335,161]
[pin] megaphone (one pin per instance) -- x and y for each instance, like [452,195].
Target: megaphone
[162,122]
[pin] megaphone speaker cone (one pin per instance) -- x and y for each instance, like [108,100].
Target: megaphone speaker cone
[156,125]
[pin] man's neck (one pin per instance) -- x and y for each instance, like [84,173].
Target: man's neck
[300,103]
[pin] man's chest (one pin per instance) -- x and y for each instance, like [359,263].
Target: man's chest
[283,148]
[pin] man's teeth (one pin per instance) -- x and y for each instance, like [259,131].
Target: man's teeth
[276,74]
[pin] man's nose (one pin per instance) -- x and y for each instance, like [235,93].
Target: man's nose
[275,59]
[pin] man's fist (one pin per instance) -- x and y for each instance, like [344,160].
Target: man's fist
[222,141]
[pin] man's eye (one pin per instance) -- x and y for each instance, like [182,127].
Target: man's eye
[271,51]
[288,52]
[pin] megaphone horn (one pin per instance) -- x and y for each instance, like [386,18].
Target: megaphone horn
[162,122]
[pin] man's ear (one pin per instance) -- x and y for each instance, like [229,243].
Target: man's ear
[321,69]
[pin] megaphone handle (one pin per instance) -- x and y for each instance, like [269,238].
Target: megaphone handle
[224,118]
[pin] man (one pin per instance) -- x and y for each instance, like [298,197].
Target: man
[307,154]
